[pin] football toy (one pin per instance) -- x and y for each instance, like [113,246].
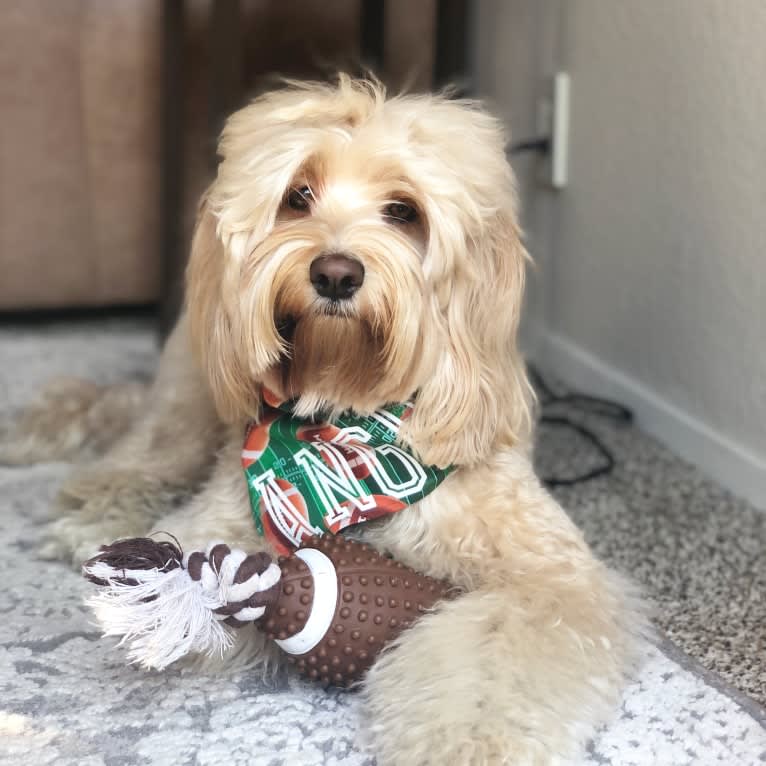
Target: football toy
[331,605]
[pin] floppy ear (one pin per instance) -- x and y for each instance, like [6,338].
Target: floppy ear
[262,147]
[477,397]
[211,325]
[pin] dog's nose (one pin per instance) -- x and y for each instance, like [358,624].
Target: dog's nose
[336,276]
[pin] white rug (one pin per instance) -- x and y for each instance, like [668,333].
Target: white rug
[67,698]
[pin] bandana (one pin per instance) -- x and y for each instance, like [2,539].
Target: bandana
[306,478]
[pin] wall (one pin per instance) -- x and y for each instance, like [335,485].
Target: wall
[654,262]
[515,51]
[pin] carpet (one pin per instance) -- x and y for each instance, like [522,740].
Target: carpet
[69,699]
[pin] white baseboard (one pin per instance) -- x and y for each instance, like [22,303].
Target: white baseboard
[734,466]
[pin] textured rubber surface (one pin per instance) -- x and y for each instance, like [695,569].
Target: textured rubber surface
[377,599]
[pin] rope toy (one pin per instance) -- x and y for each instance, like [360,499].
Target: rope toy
[166,605]
[331,605]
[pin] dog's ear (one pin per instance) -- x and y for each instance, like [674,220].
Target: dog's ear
[477,396]
[210,325]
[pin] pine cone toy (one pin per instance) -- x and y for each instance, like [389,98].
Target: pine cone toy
[331,606]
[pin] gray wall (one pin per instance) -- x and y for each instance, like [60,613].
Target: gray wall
[515,51]
[653,260]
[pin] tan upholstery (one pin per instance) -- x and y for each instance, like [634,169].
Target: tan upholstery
[79,173]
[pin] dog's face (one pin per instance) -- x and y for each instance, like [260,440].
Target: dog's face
[355,251]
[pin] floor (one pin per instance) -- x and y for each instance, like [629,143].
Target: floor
[70,699]
[698,551]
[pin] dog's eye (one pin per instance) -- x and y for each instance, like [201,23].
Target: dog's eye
[401,212]
[300,199]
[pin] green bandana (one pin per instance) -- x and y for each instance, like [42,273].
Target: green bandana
[307,478]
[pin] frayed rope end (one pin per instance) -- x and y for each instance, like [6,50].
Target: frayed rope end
[164,606]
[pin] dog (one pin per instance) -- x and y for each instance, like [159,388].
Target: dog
[357,249]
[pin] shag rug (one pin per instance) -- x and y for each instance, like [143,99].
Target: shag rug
[68,697]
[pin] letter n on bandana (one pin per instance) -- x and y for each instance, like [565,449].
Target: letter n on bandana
[307,478]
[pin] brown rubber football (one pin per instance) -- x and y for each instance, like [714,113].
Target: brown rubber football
[377,598]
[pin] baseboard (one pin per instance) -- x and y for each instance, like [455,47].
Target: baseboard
[734,466]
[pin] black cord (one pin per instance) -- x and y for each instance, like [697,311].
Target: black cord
[589,405]
[586,404]
[542,145]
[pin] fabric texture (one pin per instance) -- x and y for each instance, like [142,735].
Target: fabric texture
[70,699]
[79,146]
[308,477]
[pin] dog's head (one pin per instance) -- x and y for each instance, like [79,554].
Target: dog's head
[356,250]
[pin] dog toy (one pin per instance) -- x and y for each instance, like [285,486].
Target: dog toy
[331,606]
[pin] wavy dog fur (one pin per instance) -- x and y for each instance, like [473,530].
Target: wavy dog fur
[523,666]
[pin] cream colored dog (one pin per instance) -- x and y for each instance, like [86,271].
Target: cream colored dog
[356,250]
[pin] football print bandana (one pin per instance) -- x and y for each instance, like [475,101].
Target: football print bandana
[307,478]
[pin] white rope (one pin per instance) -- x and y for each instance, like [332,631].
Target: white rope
[162,615]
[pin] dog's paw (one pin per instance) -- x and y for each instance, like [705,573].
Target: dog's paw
[98,506]
[75,538]
[465,685]
[251,652]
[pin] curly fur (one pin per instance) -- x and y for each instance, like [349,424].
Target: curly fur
[522,667]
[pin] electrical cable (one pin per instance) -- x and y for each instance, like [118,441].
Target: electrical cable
[589,405]
[542,145]
[586,404]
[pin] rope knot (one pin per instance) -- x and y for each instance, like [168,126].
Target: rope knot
[241,584]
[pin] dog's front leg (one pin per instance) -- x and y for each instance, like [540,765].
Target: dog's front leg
[162,458]
[523,666]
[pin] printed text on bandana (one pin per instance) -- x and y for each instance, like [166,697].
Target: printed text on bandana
[308,478]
